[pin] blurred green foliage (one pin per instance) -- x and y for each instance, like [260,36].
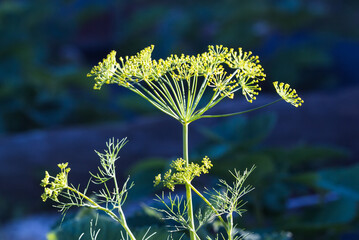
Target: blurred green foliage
[40,85]
[47,47]
[284,176]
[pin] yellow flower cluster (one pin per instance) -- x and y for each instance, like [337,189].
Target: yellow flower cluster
[221,82]
[250,72]
[289,95]
[105,70]
[181,173]
[175,85]
[54,185]
[209,64]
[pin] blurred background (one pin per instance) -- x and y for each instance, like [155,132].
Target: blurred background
[307,176]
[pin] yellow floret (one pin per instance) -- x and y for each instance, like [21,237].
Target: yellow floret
[288,94]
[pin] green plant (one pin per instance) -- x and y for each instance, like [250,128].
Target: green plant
[113,199]
[184,87]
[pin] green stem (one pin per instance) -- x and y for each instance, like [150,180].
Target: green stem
[175,93]
[94,204]
[162,89]
[208,203]
[193,95]
[210,104]
[188,187]
[214,100]
[121,220]
[119,208]
[180,96]
[230,226]
[200,94]
[158,106]
[238,113]
[124,224]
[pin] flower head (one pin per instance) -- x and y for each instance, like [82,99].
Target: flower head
[207,164]
[176,85]
[223,84]
[54,185]
[181,174]
[104,71]
[250,88]
[288,94]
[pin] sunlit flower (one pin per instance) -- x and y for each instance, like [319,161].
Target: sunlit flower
[176,85]
[288,94]
[104,71]
[223,84]
[250,88]
[207,164]
[181,174]
[54,185]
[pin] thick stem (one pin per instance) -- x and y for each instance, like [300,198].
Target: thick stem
[230,226]
[188,187]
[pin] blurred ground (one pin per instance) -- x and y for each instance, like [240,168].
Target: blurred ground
[33,227]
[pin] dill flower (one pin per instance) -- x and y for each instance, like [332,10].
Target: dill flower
[175,85]
[222,83]
[180,173]
[207,164]
[104,71]
[250,88]
[54,185]
[288,94]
